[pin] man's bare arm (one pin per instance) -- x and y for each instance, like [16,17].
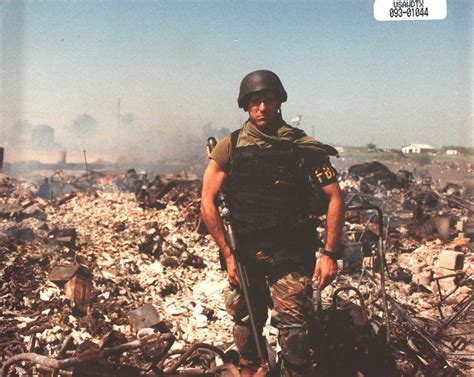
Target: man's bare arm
[334,217]
[326,268]
[213,179]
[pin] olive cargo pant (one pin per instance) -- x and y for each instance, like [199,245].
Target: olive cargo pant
[284,285]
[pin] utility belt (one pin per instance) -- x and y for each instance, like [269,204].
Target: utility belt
[284,245]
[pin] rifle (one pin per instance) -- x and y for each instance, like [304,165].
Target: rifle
[225,216]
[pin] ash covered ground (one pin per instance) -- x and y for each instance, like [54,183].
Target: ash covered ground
[138,241]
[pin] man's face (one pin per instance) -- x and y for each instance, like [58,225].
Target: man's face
[263,108]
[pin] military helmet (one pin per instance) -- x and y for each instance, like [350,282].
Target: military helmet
[257,81]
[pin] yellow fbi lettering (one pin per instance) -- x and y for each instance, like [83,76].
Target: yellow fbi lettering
[324,173]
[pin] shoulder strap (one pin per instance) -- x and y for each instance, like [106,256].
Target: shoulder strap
[234,136]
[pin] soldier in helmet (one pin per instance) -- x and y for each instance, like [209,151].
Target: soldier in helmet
[268,169]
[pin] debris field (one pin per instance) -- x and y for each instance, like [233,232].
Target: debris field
[112,274]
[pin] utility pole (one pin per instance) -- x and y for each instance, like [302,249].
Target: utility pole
[118,118]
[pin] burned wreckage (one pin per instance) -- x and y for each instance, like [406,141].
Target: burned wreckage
[111,274]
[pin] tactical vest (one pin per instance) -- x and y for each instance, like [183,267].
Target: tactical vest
[266,187]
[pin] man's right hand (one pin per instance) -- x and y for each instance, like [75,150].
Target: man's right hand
[231,270]
[325,271]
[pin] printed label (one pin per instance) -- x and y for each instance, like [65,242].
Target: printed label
[410,10]
[325,174]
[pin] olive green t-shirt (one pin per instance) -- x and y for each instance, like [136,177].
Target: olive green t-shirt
[324,173]
[222,153]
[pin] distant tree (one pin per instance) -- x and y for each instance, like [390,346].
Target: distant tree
[371,146]
[84,126]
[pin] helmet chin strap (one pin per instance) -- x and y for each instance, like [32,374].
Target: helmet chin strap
[280,116]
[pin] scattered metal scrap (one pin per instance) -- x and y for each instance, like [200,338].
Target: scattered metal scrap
[408,263]
[414,213]
[91,360]
[151,351]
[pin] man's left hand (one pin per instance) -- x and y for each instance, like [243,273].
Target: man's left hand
[325,271]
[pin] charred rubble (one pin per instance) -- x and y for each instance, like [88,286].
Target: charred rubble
[112,274]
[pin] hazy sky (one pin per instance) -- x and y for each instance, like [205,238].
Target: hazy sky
[178,64]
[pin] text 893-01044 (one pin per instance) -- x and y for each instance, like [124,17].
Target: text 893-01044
[408,12]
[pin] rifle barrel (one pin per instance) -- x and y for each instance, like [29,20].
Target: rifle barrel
[241,272]
[244,284]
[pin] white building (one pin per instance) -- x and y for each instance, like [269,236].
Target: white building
[452,152]
[417,148]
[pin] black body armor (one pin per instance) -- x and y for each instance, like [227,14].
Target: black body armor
[267,188]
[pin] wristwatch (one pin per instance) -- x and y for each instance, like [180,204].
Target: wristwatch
[330,253]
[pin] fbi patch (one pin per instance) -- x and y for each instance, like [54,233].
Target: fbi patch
[325,174]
